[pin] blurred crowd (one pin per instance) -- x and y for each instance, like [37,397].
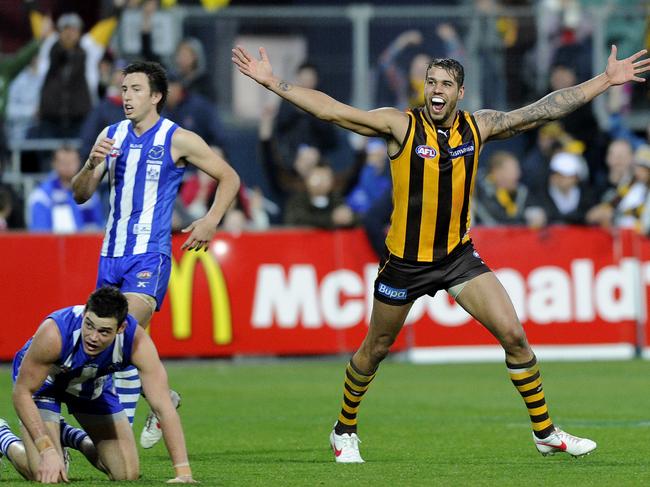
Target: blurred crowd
[65,85]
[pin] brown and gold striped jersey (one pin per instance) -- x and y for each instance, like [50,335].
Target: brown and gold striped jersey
[433,178]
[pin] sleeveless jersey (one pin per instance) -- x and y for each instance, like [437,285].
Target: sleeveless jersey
[77,373]
[143,182]
[433,179]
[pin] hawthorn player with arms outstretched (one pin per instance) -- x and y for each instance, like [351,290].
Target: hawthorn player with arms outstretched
[434,155]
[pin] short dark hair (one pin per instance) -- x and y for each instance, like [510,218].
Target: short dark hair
[108,302]
[157,78]
[453,67]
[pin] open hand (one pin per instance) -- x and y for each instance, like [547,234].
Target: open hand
[628,69]
[258,69]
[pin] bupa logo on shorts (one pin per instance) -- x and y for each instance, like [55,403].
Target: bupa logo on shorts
[475,254]
[426,151]
[144,275]
[391,292]
[462,150]
[156,152]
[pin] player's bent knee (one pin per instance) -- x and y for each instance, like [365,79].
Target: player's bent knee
[379,351]
[514,341]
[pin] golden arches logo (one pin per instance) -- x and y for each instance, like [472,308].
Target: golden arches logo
[181,284]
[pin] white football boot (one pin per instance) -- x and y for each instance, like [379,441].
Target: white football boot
[152,433]
[345,447]
[560,441]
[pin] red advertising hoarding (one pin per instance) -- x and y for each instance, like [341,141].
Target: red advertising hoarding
[293,292]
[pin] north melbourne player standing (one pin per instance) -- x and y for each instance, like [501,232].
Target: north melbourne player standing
[434,153]
[145,157]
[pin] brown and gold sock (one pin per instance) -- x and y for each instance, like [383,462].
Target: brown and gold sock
[527,380]
[355,386]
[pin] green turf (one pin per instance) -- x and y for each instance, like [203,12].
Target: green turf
[457,425]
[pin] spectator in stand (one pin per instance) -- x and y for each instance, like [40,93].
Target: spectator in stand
[582,125]
[619,103]
[320,206]
[373,180]
[69,62]
[107,112]
[501,198]
[565,200]
[620,158]
[287,180]
[22,103]
[407,89]
[376,222]
[192,111]
[12,65]
[551,139]
[294,128]
[51,205]
[12,215]
[627,206]
[189,63]
[147,32]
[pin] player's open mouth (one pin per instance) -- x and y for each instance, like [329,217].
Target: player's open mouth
[90,347]
[128,108]
[437,104]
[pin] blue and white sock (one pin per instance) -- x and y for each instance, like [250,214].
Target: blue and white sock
[128,386]
[70,436]
[6,439]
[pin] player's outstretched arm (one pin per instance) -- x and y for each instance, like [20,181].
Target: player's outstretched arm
[386,122]
[156,389]
[85,182]
[190,147]
[493,124]
[34,369]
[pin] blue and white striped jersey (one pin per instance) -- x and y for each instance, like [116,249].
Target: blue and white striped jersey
[144,183]
[77,373]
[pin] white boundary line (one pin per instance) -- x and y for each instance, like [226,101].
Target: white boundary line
[490,353]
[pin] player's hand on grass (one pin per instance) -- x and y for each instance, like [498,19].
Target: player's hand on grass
[258,69]
[51,468]
[202,231]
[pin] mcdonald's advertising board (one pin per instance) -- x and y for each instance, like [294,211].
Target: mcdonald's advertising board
[297,292]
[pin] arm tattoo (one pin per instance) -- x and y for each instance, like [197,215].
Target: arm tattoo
[284,86]
[501,125]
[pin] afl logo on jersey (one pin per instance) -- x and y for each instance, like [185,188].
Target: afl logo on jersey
[156,152]
[426,152]
[115,152]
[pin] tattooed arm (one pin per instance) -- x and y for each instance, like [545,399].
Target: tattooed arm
[493,124]
[386,122]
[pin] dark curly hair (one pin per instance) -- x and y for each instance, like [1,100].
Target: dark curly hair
[108,302]
[453,67]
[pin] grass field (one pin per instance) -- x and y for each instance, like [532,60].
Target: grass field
[421,425]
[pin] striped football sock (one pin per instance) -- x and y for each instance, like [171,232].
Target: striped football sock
[527,380]
[355,386]
[128,386]
[70,436]
[7,438]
